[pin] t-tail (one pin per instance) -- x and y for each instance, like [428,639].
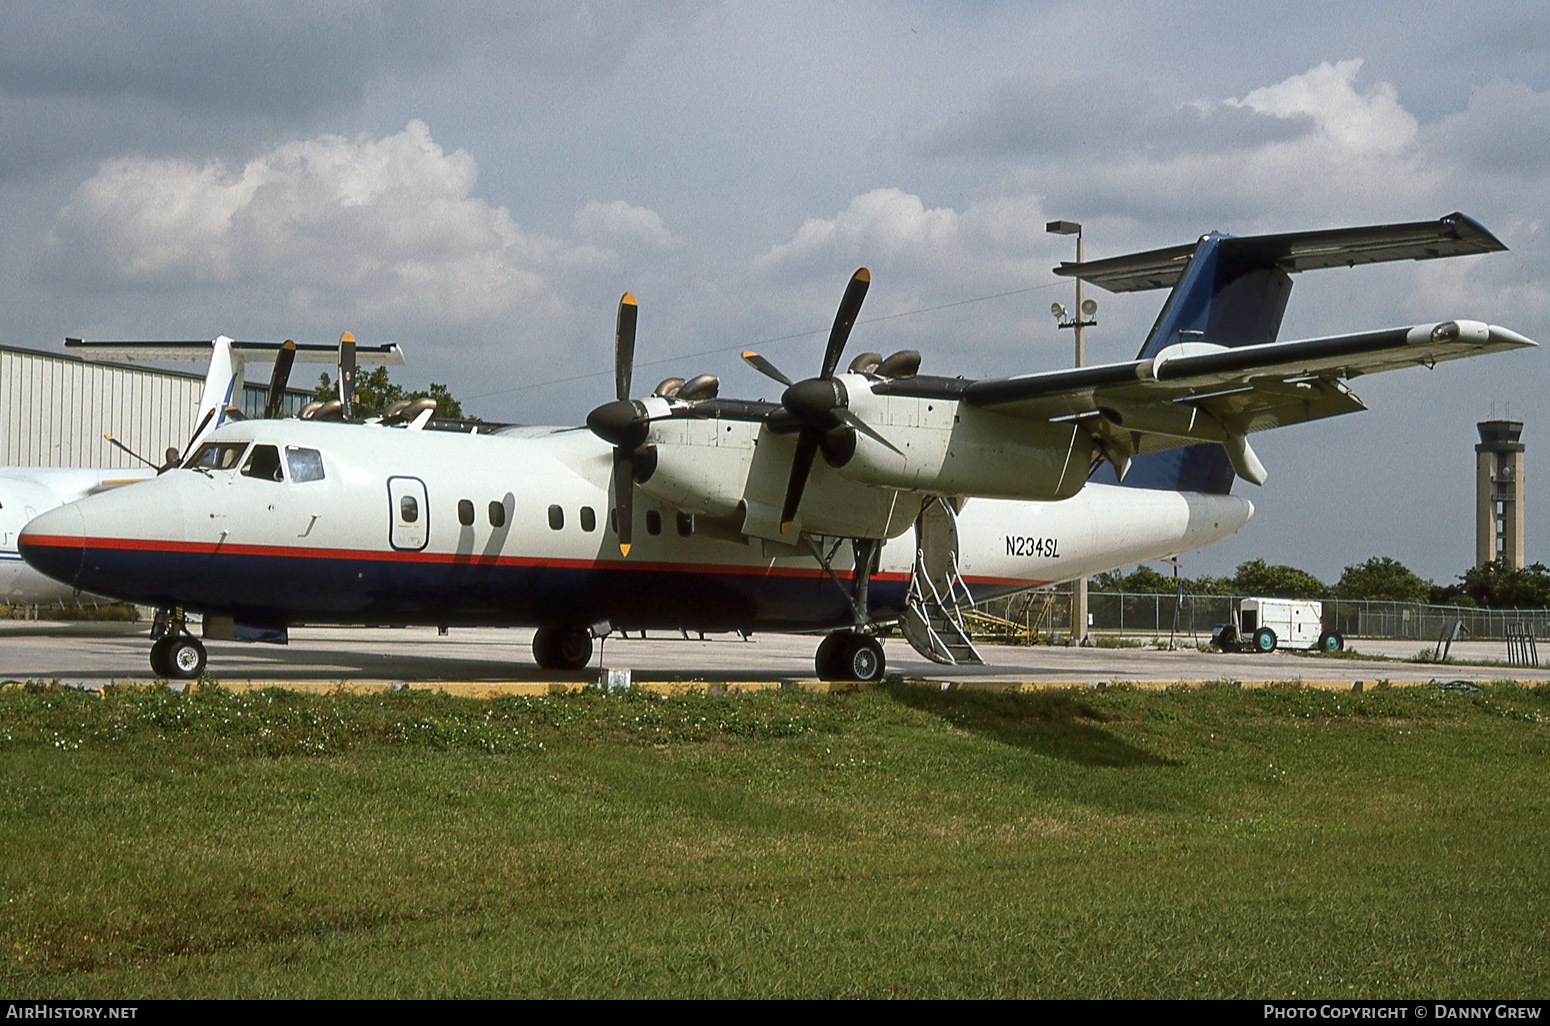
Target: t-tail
[1232,291]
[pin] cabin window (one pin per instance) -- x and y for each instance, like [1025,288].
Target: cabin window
[408,509]
[465,512]
[306,464]
[588,519]
[556,518]
[263,463]
[653,522]
[217,456]
[497,514]
[685,524]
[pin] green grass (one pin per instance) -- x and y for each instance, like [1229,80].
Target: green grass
[1216,842]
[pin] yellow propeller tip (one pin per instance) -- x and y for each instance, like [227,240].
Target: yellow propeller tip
[863,275]
[347,337]
[628,300]
[784,524]
[749,352]
[624,550]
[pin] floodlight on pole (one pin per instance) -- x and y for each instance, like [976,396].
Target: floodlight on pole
[1086,309]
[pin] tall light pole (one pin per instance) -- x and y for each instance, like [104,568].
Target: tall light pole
[1083,318]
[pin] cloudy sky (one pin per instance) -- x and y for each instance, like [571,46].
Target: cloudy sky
[481,182]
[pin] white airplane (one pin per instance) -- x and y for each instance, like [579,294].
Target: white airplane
[737,524]
[26,492]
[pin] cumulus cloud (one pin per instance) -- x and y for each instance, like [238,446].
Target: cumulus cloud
[362,227]
[1370,122]
[623,224]
[884,223]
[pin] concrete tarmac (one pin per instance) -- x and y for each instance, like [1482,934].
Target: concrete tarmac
[95,654]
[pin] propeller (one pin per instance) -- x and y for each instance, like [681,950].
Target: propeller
[820,405]
[278,379]
[623,421]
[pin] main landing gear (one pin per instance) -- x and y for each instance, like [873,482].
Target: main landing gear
[846,655]
[562,648]
[175,653]
[854,654]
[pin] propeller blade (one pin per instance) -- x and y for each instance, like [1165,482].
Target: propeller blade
[624,344]
[845,319]
[278,379]
[765,367]
[124,448]
[209,416]
[624,496]
[861,426]
[347,375]
[801,466]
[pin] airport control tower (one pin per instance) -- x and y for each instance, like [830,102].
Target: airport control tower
[1499,493]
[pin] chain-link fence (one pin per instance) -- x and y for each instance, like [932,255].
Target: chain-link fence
[1049,611]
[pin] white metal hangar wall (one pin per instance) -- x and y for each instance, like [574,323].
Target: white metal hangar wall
[56,407]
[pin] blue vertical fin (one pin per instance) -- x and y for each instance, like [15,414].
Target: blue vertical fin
[1231,293]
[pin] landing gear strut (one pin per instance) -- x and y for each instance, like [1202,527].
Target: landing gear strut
[175,653]
[854,654]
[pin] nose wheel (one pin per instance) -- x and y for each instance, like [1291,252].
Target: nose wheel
[846,655]
[178,657]
[175,654]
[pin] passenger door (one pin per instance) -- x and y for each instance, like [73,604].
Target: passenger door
[409,513]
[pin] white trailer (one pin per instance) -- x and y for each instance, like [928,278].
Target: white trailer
[1263,624]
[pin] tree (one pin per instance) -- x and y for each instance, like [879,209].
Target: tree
[1499,586]
[375,393]
[1256,577]
[1382,578]
[1143,580]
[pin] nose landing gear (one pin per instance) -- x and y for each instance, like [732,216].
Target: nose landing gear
[175,654]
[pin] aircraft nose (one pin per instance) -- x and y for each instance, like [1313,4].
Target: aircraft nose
[53,543]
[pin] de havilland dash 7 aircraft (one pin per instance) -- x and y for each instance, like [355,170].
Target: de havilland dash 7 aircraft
[684,509]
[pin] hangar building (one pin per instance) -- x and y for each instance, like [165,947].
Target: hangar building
[56,407]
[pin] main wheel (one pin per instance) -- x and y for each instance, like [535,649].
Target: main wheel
[1331,641]
[160,665]
[184,657]
[562,648]
[863,659]
[1264,640]
[828,659]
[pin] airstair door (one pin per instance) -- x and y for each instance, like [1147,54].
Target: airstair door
[933,618]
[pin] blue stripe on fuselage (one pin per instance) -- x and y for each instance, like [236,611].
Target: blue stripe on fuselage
[276,588]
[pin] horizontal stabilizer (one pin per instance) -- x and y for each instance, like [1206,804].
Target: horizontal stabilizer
[1454,235]
[387,355]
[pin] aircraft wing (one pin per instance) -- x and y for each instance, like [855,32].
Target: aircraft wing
[387,355]
[1196,391]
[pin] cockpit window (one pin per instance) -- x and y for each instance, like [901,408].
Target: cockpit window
[263,463]
[305,464]
[216,456]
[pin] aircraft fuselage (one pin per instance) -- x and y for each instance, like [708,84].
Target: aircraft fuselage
[309,522]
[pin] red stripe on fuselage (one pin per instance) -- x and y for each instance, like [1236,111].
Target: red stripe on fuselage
[465,559]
